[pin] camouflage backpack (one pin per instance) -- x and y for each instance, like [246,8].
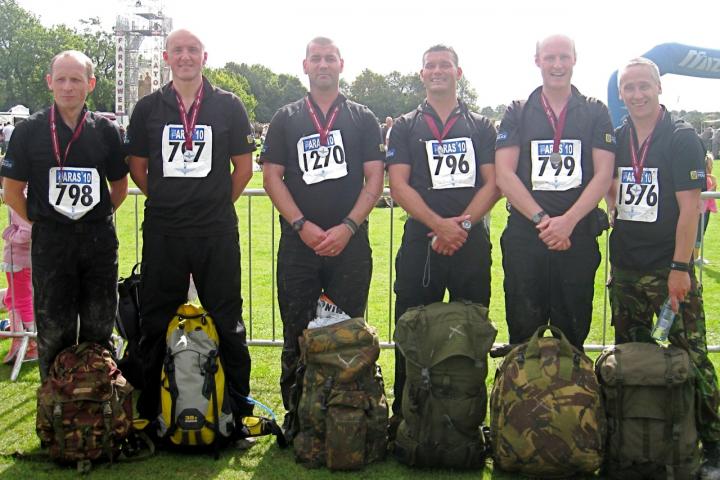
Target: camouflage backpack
[546,415]
[84,406]
[444,398]
[193,395]
[649,395]
[342,412]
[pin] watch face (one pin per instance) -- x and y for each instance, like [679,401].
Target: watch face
[466,224]
[298,224]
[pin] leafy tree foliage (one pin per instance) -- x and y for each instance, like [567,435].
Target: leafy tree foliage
[271,90]
[235,83]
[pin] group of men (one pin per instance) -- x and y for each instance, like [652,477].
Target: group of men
[554,157]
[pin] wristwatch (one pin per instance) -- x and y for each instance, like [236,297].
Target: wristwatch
[466,225]
[298,224]
[538,217]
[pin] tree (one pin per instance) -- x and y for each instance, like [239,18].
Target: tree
[235,83]
[27,47]
[271,91]
[467,93]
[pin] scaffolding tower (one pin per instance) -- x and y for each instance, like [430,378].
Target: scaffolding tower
[140,33]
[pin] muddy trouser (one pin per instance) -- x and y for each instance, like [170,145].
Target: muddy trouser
[544,286]
[214,262]
[423,276]
[636,297]
[302,276]
[75,270]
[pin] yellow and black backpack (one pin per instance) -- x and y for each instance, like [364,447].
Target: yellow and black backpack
[195,408]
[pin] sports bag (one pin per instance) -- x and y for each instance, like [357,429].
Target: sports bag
[127,321]
[342,412]
[195,407]
[444,398]
[547,419]
[649,396]
[84,406]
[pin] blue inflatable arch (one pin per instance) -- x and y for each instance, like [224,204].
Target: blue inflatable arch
[670,58]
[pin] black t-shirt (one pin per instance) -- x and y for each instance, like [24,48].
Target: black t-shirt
[184,198]
[446,177]
[324,184]
[526,125]
[30,158]
[645,239]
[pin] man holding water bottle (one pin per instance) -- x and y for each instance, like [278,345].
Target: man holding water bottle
[658,178]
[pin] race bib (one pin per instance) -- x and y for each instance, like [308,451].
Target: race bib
[74,191]
[565,175]
[638,202]
[319,163]
[179,163]
[452,163]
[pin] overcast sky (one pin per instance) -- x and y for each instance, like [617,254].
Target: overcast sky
[496,43]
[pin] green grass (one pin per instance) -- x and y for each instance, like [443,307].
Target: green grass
[265,460]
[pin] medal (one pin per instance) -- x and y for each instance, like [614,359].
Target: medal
[635,189]
[323,132]
[56,143]
[436,131]
[555,159]
[558,125]
[189,123]
[638,158]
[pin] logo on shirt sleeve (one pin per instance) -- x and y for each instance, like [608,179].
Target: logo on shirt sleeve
[697,174]
[251,139]
[501,136]
[7,163]
[610,139]
[390,153]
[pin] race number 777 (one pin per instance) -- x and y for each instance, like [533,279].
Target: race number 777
[176,145]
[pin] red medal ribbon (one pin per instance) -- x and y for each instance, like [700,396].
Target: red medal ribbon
[189,124]
[639,163]
[436,131]
[558,124]
[322,131]
[54,137]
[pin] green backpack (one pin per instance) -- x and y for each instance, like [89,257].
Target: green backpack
[444,398]
[649,395]
[547,419]
[84,406]
[342,412]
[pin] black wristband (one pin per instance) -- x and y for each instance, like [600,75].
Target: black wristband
[351,224]
[680,266]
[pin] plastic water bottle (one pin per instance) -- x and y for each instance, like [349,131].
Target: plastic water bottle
[665,319]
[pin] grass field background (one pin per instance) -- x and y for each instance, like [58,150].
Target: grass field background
[265,460]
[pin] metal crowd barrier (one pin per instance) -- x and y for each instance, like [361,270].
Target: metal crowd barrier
[247,263]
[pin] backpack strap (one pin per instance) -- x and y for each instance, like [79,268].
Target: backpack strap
[58,428]
[107,423]
[619,382]
[173,389]
[210,386]
[674,415]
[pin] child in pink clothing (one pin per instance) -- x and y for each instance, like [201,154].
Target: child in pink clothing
[16,265]
[708,206]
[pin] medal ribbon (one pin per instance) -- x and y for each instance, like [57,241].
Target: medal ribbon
[639,163]
[54,137]
[436,131]
[558,124]
[189,123]
[322,131]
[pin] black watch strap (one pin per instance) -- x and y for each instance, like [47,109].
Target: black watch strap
[680,266]
[538,216]
[298,224]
